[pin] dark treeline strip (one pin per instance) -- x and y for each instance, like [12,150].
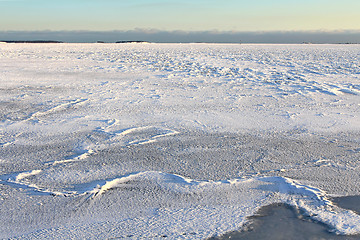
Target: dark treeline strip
[33,41]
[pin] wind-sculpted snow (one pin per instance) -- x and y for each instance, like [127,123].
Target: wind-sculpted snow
[179,140]
[168,198]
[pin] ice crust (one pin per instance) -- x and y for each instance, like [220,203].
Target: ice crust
[177,140]
[159,204]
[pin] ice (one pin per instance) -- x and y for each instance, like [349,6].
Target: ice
[179,140]
[178,200]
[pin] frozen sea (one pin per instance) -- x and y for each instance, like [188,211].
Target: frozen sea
[184,141]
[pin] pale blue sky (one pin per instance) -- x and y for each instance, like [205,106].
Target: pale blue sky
[187,15]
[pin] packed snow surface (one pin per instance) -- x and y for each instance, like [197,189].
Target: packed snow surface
[178,140]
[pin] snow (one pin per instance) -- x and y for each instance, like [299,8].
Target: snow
[177,140]
[23,175]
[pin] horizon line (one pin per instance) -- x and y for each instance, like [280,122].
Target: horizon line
[177,36]
[214,31]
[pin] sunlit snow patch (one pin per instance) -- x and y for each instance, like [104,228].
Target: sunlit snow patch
[135,135]
[241,193]
[21,180]
[169,195]
[27,174]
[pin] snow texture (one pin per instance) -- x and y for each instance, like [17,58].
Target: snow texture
[179,140]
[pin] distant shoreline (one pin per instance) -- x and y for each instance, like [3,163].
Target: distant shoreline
[137,41]
[31,41]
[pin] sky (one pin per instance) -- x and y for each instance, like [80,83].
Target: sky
[174,15]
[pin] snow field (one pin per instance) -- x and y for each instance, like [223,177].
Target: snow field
[177,140]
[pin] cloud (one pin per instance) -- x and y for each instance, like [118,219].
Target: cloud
[154,35]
